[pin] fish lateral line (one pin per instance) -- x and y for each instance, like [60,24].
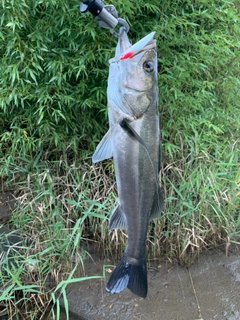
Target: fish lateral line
[134,135]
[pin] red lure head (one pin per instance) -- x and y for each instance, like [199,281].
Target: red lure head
[143,44]
[127,55]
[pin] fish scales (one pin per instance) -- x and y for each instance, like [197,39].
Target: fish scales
[134,142]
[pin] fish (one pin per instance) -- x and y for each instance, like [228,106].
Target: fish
[133,140]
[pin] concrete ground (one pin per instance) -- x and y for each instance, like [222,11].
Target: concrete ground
[209,290]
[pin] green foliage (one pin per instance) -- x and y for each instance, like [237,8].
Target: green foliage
[26,289]
[199,73]
[57,215]
[54,69]
[199,82]
[51,81]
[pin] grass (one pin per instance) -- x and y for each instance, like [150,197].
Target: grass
[53,113]
[201,210]
[28,290]
[55,207]
[63,206]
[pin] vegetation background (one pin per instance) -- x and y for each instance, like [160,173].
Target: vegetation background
[53,112]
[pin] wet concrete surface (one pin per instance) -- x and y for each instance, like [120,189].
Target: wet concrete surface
[208,290]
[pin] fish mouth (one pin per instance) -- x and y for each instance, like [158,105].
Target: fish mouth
[129,90]
[125,50]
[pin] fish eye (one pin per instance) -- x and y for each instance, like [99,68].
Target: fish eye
[148,66]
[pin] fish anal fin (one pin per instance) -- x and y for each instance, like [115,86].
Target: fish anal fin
[118,219]
[104,149]
[157,204]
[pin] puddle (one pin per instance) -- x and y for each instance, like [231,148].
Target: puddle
[208,290]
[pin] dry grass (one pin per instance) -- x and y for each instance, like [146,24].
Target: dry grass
[64,208]
[199,210]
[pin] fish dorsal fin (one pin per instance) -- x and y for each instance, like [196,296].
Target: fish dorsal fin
[104,149]
[118,219]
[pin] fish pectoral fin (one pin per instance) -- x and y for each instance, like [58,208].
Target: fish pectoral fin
[125,125]
[118,219]
[104,149]
[157,204]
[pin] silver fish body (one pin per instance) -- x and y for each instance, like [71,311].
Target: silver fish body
[134,142]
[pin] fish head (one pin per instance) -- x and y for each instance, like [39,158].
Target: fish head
[132,83]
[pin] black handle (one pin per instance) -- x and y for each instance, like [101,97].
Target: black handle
[93,6]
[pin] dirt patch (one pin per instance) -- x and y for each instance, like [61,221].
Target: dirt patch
[208,290]
[7,203]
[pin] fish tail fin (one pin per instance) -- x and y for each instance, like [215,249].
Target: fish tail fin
[131,275]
